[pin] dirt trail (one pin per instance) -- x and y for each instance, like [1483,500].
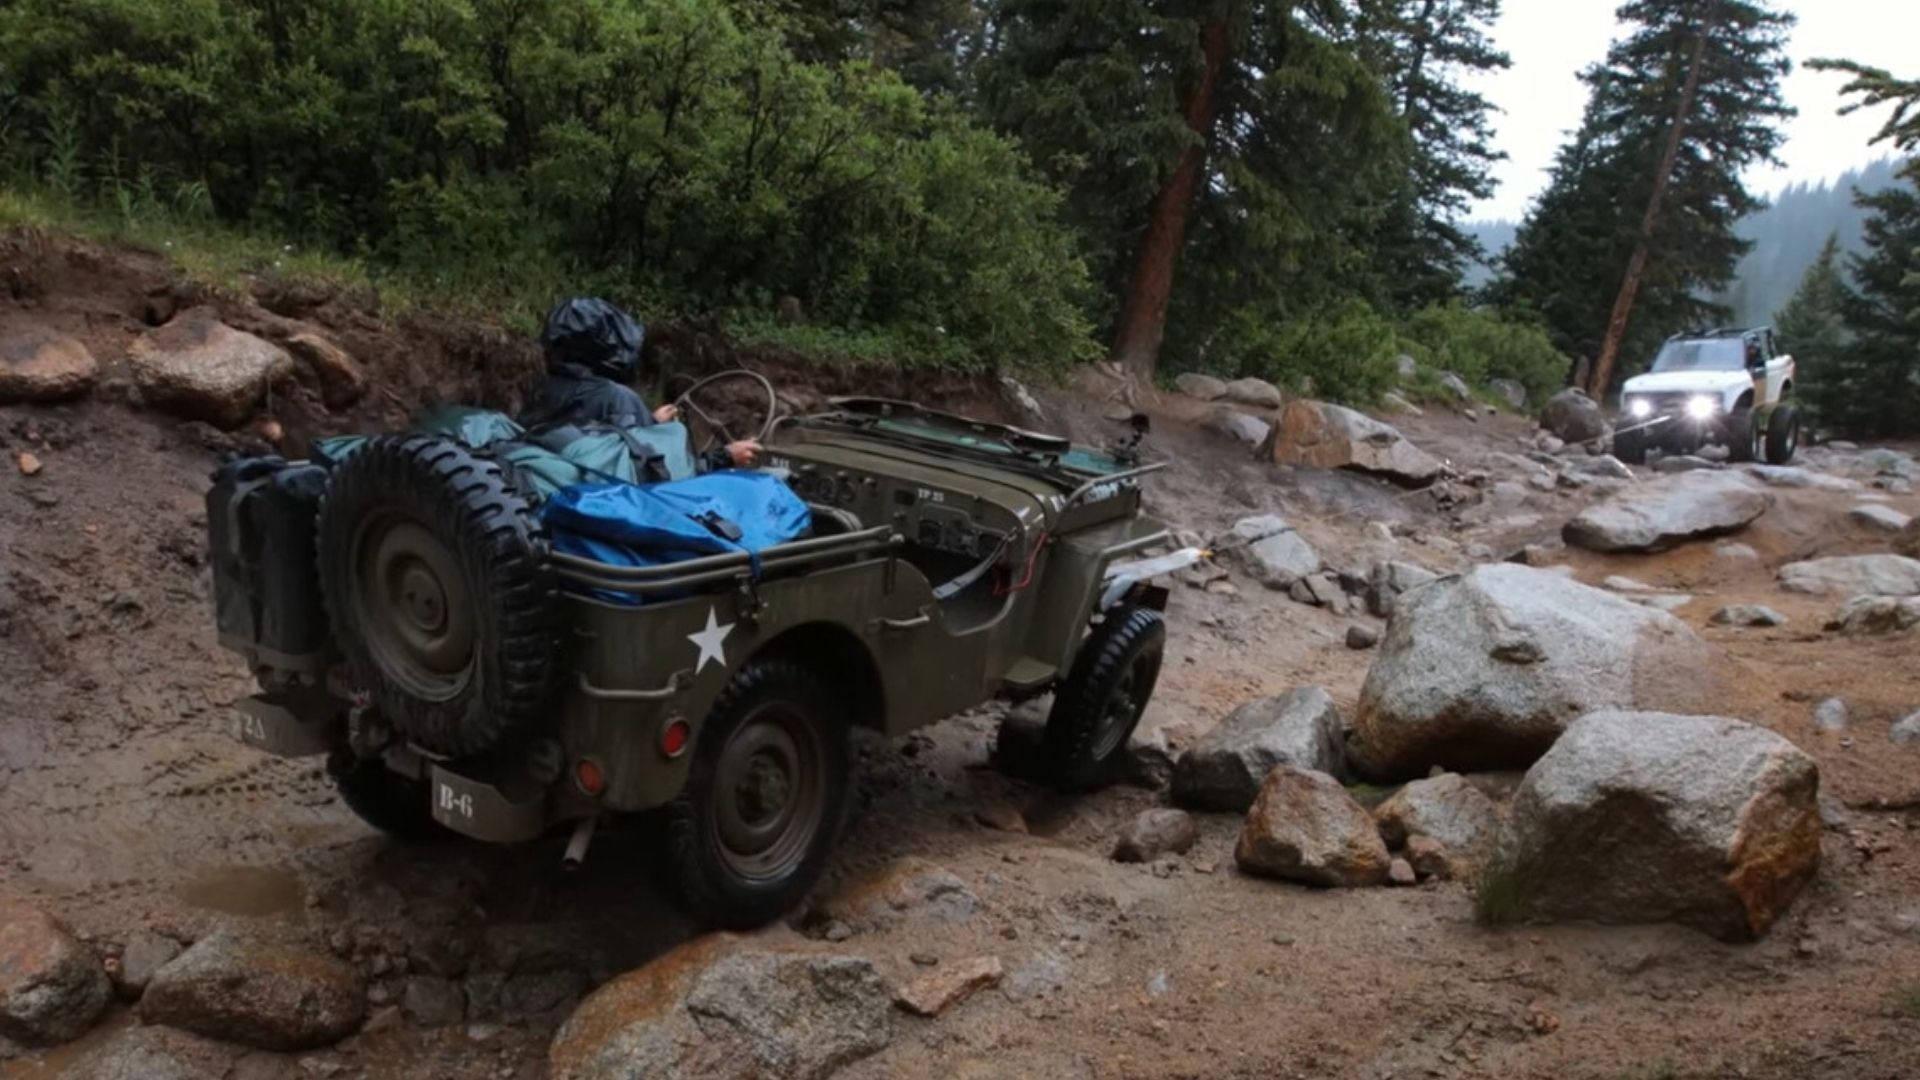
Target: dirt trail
[124,806]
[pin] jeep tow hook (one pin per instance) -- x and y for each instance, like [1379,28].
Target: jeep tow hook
[577,845]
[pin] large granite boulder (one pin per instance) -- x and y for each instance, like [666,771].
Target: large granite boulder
[1325,436]
[1224,768]
[1484,670]
[52,985]
[1650,817]
[1658,516]
[36,365]
[199,368]
[259,990]
[717,1006]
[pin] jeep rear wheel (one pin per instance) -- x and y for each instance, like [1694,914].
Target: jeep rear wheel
[765,800]
[439,599]
[1096,709]
[397,805]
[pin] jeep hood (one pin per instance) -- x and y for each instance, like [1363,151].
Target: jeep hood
[1692,382]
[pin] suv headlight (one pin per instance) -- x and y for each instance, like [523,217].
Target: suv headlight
[1701,406]
[1639,407]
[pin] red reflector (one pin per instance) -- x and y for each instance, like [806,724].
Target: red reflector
[673,738]
[586,773]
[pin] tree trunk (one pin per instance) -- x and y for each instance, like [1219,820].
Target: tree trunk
[1143,307]
[1637,264]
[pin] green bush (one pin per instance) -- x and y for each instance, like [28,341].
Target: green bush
[1480,345]
[1344,353]
[672,153]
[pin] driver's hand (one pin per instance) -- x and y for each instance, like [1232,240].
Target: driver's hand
[666,413]
[744,453]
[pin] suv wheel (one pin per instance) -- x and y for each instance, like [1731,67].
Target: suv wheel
[1783,434]
[1744,441]
[397,805]
[1096,709]
[1630,446]
[765,800]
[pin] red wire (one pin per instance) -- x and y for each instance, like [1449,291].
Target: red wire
[1032,561]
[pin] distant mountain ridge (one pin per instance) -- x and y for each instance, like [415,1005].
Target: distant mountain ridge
[1786,236]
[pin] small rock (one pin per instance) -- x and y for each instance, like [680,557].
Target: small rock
[1864,615]
[1455,385]
[1044,975]
[1735,552]
[144,955]
[1907,730]
[1204,387]
[258,991]
[1748,615]
[1236,425]
[1572,416]
[342,380]
[433,1001]
[924,959]
[1156,832]
[1446,808]
[52,985]
[1256,392]
[837,931]
[1679,463]
[1001,816]
[1620,583]
[1878,518]
[936,992]
[1395,402]
[1223,769]
[1400,872]
[1663,601]
[1304,826]
[1361,636]
[1854,575]
[1429,858]
[1389,580]
[1830,714]
[36,365]
[29,464]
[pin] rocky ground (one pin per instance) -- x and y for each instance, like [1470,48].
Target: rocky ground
[1284,891]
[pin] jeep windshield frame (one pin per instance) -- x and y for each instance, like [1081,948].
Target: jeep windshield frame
[1702,354]
[904,423]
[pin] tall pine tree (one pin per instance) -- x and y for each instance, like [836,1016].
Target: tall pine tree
[1686,102]
[1881,364]
[1215,153]
[1812,326]
[1423,49]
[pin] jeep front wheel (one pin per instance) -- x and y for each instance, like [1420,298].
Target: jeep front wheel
[1096,709]
[765,800]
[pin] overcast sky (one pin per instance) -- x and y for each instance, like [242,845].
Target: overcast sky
[1552,40]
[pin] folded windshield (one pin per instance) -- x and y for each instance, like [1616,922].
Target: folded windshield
[1709,354]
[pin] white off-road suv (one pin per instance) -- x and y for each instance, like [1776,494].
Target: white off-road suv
[1723,386]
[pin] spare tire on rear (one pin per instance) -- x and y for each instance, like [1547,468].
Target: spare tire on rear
[438,594]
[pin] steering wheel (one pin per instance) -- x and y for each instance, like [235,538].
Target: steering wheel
[718,433]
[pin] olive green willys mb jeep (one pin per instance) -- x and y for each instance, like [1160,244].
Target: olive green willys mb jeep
[407,618]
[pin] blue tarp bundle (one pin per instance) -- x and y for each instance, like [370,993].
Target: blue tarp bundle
[649,524]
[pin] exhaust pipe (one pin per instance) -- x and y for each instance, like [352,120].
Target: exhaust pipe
[577,845]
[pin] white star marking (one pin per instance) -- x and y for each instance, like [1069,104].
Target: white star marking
[709,641]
